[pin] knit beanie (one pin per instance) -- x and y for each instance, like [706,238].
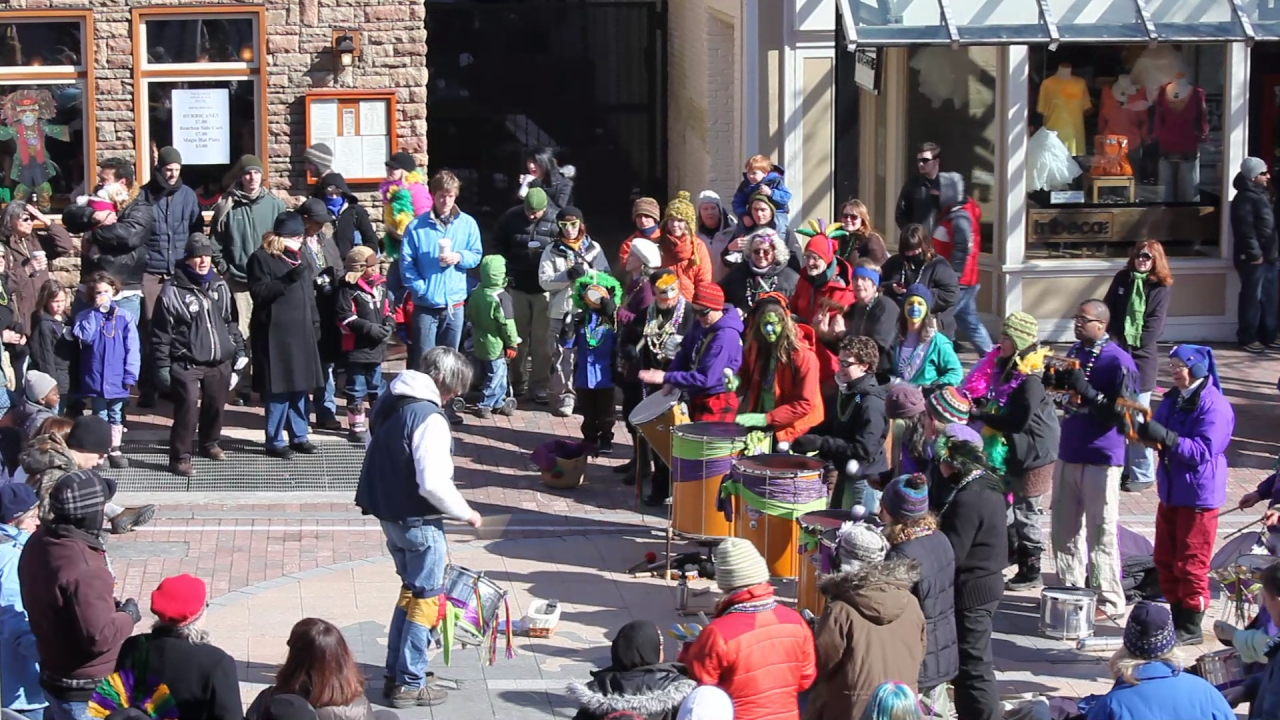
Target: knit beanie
[38,385]
[646,206]
[949,405]
[646,251]
[761,197]
[709,295]
[320,155]
[1022,329]
[168,156]
[903,400]
[859,544]
[1149,632]
[921,291]
[709,196]
[535,200]
[706,702]
[250,162]
[681,208]
[1252,167]
[739,565]
[822,246]
[906,498]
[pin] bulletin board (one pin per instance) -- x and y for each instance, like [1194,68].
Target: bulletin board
[360,127]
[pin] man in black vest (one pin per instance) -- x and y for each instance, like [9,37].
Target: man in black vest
[407,483]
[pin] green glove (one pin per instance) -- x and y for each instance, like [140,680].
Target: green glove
[731,381]
[752,420]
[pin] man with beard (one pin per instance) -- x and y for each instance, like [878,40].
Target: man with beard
[780,370]
[177,218]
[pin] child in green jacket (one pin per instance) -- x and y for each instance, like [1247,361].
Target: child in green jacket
[493,334]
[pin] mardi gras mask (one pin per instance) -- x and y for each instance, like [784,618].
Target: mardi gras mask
[771,326]
[915,308]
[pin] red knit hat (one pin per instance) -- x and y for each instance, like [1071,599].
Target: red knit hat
[179,599]
[709,295]
[823,247]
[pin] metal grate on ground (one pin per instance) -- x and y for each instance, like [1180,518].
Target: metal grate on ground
[335,468]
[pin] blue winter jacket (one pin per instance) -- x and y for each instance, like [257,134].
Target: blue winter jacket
[781,197]
[432,285]
[1162,692]
[593,366]
[1193,473]
[177,217]
[19,660]
[109,352]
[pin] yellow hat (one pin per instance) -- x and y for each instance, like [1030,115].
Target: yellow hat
[681,208]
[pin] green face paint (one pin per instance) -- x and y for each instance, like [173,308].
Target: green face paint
[771,326]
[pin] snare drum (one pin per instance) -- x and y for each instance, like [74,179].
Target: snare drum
[1067,613]
[773,492]
[702,455]
[1222,668]
[479,599]
[819,530]
[654,419]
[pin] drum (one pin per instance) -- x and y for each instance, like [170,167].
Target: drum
[1067,613]
[479,599]
[773,492]
[818,544]
[1222,668]
[654,418]
[702,454]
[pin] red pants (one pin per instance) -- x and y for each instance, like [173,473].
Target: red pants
[721,407]
[1184,548]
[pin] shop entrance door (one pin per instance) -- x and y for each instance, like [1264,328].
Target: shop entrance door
[586,78]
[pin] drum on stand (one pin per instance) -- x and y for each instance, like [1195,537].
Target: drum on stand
[655,417]
[479,599]
[773,492]
[702,455]
[818,540]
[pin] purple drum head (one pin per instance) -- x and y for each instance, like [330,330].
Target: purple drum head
[823,520]
[779,464]
[707,430]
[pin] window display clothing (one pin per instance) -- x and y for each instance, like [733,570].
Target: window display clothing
[1063,100]
[1181,125]
[1127,118]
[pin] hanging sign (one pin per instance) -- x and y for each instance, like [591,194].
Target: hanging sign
[202,125]
[866,68]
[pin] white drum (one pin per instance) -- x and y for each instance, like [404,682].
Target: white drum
[1067,613]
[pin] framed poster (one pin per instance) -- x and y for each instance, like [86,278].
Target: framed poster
[359,126]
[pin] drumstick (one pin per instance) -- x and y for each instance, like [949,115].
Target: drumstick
[1246,527]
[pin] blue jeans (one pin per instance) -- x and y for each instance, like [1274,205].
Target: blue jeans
[132,304]
[1140,460]
[324,400]
[109,409]
[967,320]
[364,382]
[494,393]
[1259,290]
[286,411]
[62,710]
[432,327]
[418,549]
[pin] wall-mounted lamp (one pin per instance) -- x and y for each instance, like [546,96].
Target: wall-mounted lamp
[346,47]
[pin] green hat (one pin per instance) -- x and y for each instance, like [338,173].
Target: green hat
[250,162]
[535,200]
[1022,329]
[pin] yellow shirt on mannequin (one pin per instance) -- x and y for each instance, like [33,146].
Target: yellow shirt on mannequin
[1063,102]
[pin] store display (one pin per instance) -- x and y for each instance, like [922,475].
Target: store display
[26,115]
[1181,124]
[1124,112]
[1063,101]
[1049,163]
[1111,156]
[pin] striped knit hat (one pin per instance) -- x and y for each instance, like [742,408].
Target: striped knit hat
[1022,329]
[906,498]
[949,405]
[739,565]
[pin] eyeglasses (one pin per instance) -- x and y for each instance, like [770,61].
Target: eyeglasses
[924,160]
[1145,256]
[1176,366]
[1084,319]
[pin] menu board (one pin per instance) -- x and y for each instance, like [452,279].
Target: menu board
[202,125]
[359,126]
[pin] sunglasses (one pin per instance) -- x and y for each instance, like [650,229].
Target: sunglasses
[702,312]
[1145,256]
[849,216]
[849,363]
[26,218]
[924,160]
[762,251]
[567,224]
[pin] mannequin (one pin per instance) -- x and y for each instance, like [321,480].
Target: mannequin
[1181,124]
[1124,113]
[1063,101]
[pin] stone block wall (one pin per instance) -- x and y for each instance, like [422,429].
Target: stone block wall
[704,81]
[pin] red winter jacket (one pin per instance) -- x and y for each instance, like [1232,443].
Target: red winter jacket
[763,660]
[798,405]
[958,238]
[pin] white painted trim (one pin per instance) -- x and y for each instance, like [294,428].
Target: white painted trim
[1235,130]
[750,62]
[1013,88]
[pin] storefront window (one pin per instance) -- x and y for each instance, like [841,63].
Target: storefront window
[951,102]
[40,44]
[1126,145]
[209,158]
[201,40]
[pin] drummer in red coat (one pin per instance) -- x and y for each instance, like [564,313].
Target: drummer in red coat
[707,354]
[780,370]
[822,296]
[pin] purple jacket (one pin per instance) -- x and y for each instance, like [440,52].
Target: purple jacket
[1085,439]
[1193,473]
[700,370]
[1269,490]
[109,352]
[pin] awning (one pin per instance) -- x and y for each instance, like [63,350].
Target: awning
[878,23]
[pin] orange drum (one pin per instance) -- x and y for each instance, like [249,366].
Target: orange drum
[773,492]
[819,536]
[702,454]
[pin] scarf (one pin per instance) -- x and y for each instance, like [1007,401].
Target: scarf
[679,248]
[1136,312]
[824,278]
[335,204]
[574,244]
[196,278]
[650,231]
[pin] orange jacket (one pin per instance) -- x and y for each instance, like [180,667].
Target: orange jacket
[689,259]
[796,385]
[763,660]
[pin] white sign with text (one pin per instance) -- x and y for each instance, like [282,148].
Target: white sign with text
[202,125]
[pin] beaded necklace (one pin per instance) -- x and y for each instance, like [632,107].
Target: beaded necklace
[595,330]
[657,331]
[910,365]
[844,408]
[1094,352]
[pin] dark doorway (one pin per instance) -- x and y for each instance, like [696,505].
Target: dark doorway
[586,78]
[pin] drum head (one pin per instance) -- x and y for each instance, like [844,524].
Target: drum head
[1234,548]
[825,519]
[1069,593]
[1256,563]
[710,431]
[654,406]
[779,464]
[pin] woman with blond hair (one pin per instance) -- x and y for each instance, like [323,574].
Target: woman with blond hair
[284,334]
[321,670]
[1150,682]
[861,241]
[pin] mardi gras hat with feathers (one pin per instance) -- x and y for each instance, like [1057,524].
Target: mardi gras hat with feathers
[813,228]
[121,690]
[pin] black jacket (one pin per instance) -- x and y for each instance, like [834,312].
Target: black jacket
[120,249]
[353,218]
[193,325]
[54,350]
[975,523]
[742,286]
[936,592]
[1253,223]
[1029,425]
[559,191]
[917,204]
[937,275]
[177,216]
[877,320]
[284,329]
[521,242]
[364,317]
[202,678]
[855,428]
[328,272]
[1145,355]
[654,692]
